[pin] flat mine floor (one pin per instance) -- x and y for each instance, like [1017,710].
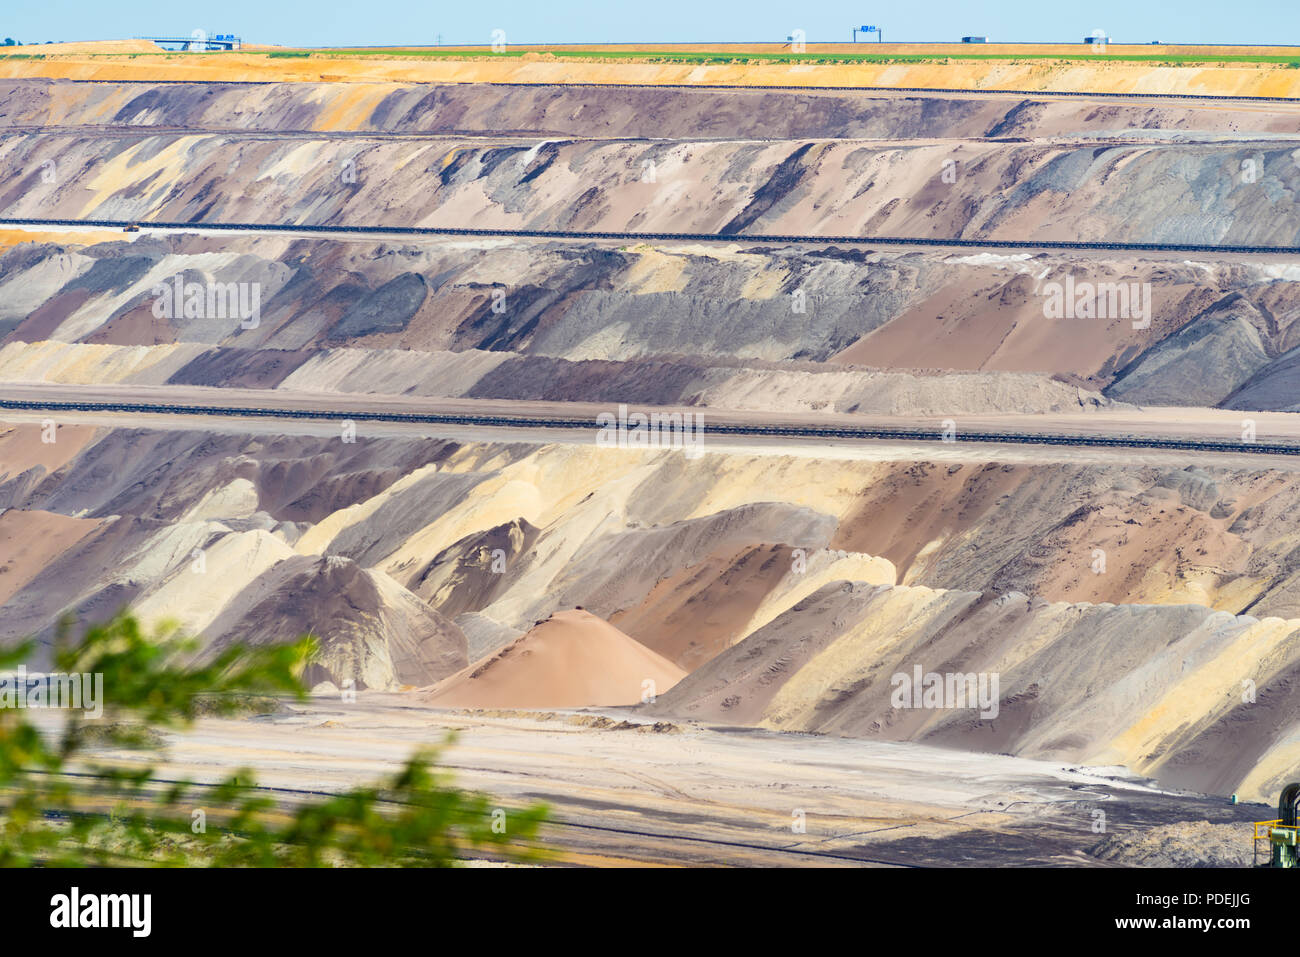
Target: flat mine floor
[625,790]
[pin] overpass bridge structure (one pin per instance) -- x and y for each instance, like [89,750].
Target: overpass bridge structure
[198,41]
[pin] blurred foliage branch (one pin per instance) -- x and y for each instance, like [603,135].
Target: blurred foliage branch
[60,806]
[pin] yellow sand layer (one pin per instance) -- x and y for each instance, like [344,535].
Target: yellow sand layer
[195,593]
[1156,712]
[1078,74]
[851,657]
[822,568]
[87,46]
[15,237]
[50,361]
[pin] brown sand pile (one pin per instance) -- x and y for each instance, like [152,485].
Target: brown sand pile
[571,660]
[31,540]
[22,448]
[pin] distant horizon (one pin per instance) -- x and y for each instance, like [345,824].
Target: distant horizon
[812,41]
[331,23]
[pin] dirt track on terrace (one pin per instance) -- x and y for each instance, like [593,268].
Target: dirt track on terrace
[1190,423]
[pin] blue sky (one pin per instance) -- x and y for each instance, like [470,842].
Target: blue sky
[338,23]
